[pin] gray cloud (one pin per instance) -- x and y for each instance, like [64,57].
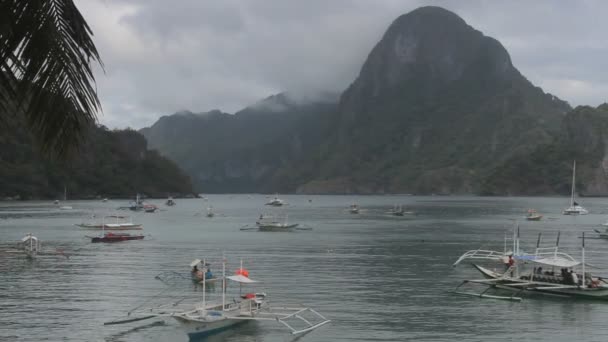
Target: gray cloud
[163,56]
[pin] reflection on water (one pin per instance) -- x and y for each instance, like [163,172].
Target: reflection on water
[376,276]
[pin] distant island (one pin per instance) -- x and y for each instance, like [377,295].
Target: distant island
[109,164]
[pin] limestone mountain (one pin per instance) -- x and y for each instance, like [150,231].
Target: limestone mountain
[435,106]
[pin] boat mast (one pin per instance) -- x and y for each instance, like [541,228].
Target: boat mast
[517,239]
[65,193]
[223,282]
[241,272]
[557,244]
[204,284]
[583,259]
[514,239]
[573,183]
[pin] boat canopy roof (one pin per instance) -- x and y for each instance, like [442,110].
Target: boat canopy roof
[556,261]
[195,262]
[27,237]
[241,279]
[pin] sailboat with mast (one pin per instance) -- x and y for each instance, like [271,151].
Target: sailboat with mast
[65,198]
[575,208]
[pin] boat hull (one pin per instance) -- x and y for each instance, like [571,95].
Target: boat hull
[199,329]
[578,293]
[272,228]
[577,210]
[534,218]
[116,238]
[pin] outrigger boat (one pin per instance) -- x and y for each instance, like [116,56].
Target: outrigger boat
[120,223]
[274,223]
[209,317]
[203,274]
[170,202]
[210,212]
[533,215]
[150,208]
[275,202]
[354,209]
[116,237]
[136,205]
[397,211]
[523,273]
[602,234]
[30,245]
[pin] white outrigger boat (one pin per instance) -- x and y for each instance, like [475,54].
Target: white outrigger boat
[353,209]
[30,245]
[275,202]
[209,317]
[117,222]
[602,234]
[274,223]
[397,211]
[523,273]
[533,215]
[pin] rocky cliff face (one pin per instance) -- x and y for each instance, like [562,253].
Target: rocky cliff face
[436,105]
[429,45]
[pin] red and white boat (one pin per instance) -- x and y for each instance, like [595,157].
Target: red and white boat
[116,237]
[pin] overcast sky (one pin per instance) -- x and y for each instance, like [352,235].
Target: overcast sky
[163,56]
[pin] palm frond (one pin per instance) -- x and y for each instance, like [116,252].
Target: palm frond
[46,57]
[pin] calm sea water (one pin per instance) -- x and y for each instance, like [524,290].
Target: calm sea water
[377,277]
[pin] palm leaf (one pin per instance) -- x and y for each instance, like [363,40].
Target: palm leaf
[46,56]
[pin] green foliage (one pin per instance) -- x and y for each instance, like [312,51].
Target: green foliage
[46,56]
[108,164]
[548,168]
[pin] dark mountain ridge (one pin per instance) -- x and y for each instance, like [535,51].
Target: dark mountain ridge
[436,108]
[115,164]
[240,152]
